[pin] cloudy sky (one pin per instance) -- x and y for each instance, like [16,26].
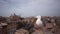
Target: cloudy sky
[30,7]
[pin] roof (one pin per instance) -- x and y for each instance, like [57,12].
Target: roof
[3,24]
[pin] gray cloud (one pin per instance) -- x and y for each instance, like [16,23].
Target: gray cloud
[30,7]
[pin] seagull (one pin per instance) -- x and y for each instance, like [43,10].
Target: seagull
[39,21]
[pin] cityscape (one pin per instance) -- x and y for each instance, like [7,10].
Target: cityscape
[15,24]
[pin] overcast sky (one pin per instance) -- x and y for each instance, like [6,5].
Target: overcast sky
[30,7]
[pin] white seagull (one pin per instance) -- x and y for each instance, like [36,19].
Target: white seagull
[39,21]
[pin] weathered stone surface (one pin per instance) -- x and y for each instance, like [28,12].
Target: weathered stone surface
[37,32]
[21,31]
